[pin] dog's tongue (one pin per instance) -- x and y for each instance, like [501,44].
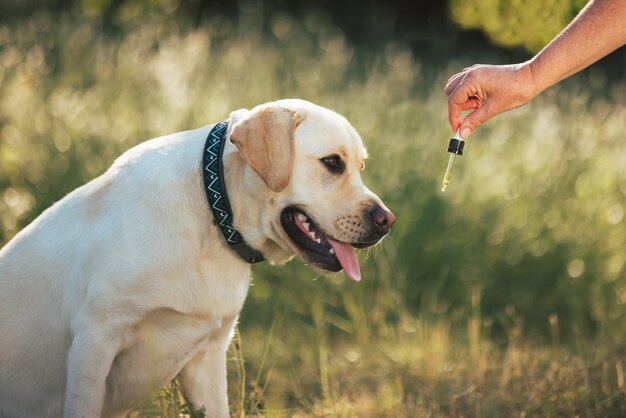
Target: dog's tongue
[347,257]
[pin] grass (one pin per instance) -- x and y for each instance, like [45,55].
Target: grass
[503,297]
[420,368]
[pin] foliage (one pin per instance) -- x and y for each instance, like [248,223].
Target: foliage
[170,401]
[532,221]
[516,23]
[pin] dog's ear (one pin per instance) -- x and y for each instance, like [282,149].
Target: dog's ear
[265,139]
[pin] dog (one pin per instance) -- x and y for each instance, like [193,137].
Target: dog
[138,276]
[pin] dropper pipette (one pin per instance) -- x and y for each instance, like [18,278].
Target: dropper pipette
[455,147]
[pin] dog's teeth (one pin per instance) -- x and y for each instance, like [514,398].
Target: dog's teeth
[332,251]
[301,217]
[312,235]
[306,225]
[319,240]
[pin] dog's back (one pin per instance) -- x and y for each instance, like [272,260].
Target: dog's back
[34,270]
[46,271]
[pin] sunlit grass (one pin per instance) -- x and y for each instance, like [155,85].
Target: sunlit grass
[426,368]
[453,316]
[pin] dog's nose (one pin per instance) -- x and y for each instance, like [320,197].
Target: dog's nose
[383,219]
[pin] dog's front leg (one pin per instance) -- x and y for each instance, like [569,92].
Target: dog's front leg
[204,378]
[91,355]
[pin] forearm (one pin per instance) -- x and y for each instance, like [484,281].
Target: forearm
[599,29]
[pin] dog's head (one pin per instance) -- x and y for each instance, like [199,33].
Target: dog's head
[315,204]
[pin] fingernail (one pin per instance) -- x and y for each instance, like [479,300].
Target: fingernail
[465,133]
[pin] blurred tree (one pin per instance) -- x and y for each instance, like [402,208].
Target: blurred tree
[363,20]
[430,28]
[515,23]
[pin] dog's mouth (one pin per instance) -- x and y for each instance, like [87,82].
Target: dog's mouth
[317,247]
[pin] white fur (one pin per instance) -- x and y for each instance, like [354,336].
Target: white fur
[126,283]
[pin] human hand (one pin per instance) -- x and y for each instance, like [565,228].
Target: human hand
[487,90]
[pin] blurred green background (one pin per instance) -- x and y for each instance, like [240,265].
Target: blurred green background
[504,296]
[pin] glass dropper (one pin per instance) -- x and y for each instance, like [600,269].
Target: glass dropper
[455,147]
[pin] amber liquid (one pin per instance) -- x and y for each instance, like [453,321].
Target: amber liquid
[446,177]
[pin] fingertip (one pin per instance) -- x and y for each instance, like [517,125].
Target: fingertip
[454,116]
[466,132]
[455,123]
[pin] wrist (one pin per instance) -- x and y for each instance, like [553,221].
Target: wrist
[539,78]
[531,74]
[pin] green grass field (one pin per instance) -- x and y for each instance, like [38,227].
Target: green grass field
[503,297]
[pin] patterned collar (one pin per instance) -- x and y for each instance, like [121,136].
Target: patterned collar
[215,189]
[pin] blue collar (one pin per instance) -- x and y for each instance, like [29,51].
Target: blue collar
[215,189]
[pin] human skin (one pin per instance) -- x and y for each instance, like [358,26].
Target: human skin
[488,90]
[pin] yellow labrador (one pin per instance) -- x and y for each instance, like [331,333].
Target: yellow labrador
[135,277]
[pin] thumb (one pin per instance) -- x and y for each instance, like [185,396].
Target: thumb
[474,120]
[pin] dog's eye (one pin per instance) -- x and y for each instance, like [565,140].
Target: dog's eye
[333,163]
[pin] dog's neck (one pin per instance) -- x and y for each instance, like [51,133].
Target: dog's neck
[217,194]
[252,203]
